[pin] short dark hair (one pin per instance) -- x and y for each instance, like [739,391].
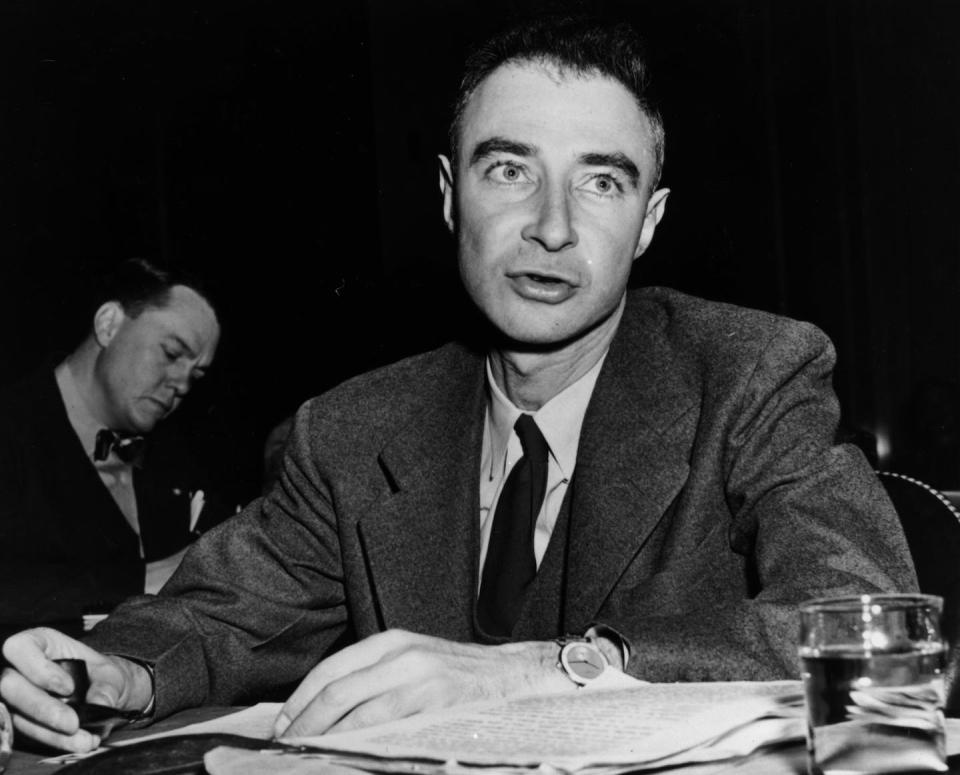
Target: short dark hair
[582,44]
[138,284]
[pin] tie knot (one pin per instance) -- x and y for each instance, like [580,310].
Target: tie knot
[128,448]
[531,439]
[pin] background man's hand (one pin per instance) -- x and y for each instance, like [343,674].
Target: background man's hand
[395,674]
[33,683]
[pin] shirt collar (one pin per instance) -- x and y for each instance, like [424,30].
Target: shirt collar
[84,424]
[559,420]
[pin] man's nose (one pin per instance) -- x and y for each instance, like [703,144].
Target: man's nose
[180,380]
[551,225]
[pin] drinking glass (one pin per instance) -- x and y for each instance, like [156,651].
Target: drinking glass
[873,677]
[6,737]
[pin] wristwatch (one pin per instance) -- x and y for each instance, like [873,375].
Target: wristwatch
[580,659]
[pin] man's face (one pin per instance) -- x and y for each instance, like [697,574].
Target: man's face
[550,200]
[147,364]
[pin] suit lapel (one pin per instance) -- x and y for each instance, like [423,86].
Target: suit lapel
[422,539]
[628,469]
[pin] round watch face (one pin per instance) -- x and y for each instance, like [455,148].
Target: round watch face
[583,662]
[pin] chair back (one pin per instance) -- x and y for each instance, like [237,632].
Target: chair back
[932,526]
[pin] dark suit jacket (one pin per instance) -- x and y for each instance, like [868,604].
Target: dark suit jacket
[708,500]
[65,546]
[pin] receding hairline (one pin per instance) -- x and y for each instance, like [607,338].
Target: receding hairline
[561,70]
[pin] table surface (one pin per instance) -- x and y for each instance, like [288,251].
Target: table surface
[786,760]
[24,763]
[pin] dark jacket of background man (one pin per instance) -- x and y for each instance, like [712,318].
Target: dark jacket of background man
[65,548]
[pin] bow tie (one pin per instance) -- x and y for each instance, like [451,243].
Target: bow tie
[128,448]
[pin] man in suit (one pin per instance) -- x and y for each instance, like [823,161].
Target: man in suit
[89,513]
[650,472]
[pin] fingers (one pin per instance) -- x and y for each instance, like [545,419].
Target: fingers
[79,742]
[31,652]
[348,661]
[338,699]
[59,726]
[403,681]
[28,686]
[388,706]
[26,699]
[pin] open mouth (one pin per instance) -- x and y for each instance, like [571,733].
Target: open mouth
[548,288]
[542,278]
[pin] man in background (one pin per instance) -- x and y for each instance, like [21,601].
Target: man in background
[644,482]
[90,511]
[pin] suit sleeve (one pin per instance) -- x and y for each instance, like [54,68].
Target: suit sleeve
[807,518]
[255,604]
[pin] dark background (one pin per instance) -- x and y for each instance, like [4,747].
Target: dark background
[287,150]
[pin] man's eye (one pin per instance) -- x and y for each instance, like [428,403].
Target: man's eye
[604,185]
[170,355]
[507,172]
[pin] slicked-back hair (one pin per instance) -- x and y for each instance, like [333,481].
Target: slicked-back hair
[584,46]
[138,285]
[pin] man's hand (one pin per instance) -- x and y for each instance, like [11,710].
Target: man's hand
[395,674]
[32,683]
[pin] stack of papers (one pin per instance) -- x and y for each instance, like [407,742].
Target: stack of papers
[595,732]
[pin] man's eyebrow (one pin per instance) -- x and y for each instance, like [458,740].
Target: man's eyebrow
[619,160]
[500,145]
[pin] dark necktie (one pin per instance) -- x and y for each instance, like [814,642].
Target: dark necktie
[128,448]
[511,564]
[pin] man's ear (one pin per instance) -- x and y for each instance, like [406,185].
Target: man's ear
[656,207]
[446,188]
[106,322]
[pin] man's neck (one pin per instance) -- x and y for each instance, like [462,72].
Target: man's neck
[530,379]
[80,365]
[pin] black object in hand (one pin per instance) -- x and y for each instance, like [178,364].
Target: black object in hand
[77,669]
[99,720]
